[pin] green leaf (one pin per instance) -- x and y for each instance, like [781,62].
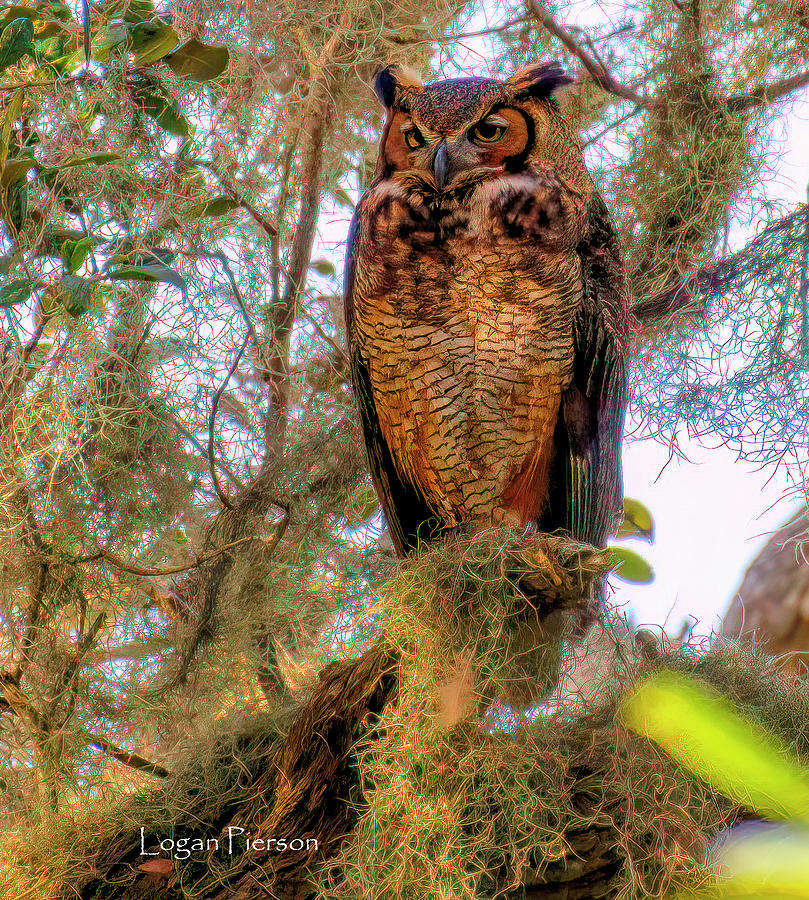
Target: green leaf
[16,40]
[55,9]
[151,273]
[47,18]
[10,115]
[139,11]
[49,50]
[81,295]
[367,504]
[198,61]
[96,157]
[39,355]
[632,566]
[74,253]
[52,240]
[637,521]
[706,734]
[147,256]
[166,114]
[151,41]
[88,117]
[49,305]
[342,199]
[363,505]
[18,291]
[17,204]
[108,38]
[217,206]
[47,28]
[9,13]
[324,267]
[16,169]
[151,256]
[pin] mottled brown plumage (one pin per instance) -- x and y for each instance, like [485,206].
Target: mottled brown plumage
[486,309]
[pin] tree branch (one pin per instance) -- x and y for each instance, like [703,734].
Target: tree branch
[766,94]
[597,70]
[318,122]
[655,312]
[134,569]
[283,200]
[201,589]
[204,452]
[127,757]
[226,501]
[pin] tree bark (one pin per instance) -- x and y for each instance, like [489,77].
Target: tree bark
[771,605]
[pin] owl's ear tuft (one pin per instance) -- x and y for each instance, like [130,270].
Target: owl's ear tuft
[394,82]
[540,81]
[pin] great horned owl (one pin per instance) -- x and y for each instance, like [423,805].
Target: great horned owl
[486,309]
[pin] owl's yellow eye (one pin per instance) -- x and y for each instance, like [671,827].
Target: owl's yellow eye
[489,131]
[413,138]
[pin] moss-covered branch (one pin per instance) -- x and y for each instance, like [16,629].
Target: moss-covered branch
[377,794]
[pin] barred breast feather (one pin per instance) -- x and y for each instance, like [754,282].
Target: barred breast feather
[463,345]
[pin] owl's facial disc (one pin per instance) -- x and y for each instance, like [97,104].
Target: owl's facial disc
[499,140]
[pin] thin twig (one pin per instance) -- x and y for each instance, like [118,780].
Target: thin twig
[608,129]
[5,390]
[314,138]
[135,569]
[395,38]
[226,501]
[766,94]
[283,200]
[597,70]
[268,228]
[133,760]
[237,295]
[280,530]
[265,226]
[79,78]
[322,334]
[662,307]
[803,292]
[204,452]
[67,675]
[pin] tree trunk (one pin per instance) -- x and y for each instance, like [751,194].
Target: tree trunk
[771,605]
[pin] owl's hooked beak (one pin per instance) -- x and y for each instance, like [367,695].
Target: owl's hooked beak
[441,166]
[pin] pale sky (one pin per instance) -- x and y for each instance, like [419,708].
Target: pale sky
[712,514]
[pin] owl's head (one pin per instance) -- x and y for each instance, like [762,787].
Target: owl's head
[466,129]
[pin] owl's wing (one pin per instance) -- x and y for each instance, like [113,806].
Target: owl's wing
[409,516]
[586,491]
